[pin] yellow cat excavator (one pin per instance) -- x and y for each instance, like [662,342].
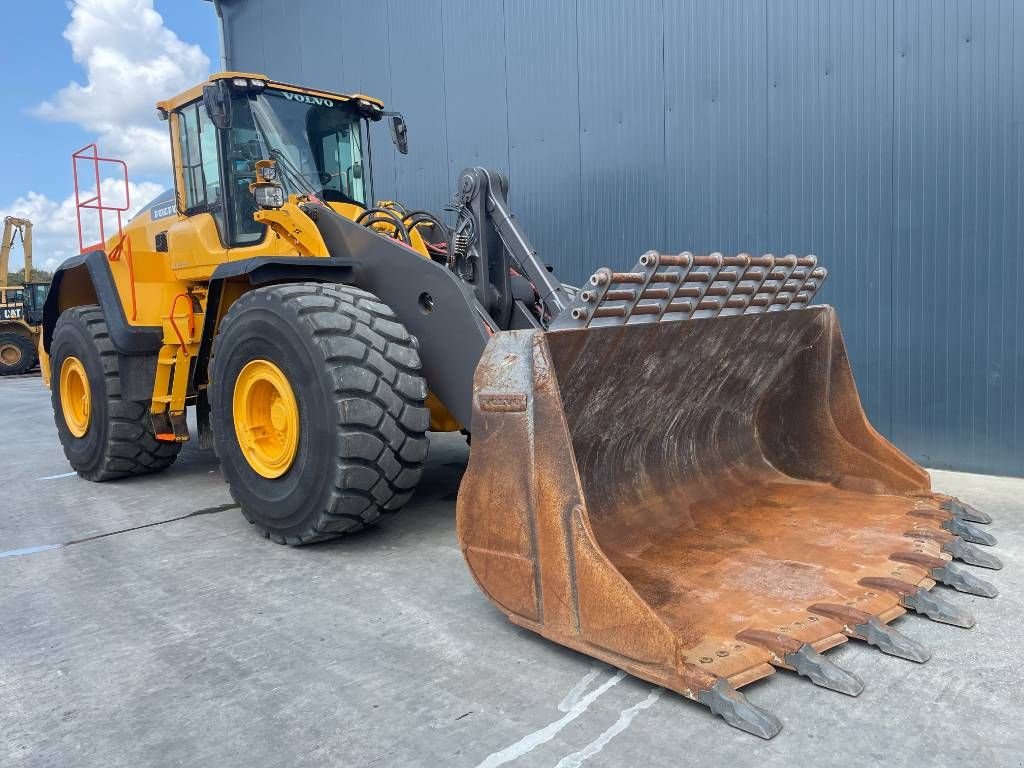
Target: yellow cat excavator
[670,468]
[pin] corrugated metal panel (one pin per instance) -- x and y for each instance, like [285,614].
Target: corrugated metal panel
[715,184]
[622,129]
[422,179]
[887,137]
[544,136]
[829,140]
[474,84]
[959,169]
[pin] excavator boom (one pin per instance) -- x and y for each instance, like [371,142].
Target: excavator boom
[14,226]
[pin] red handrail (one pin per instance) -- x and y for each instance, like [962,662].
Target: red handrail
[90,154]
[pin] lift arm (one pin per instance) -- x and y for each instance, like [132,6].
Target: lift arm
[494,243]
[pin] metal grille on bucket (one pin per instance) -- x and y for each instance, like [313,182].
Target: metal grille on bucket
[684,286]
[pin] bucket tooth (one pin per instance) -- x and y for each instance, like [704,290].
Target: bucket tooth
[920,600]
[890,641]
[938,608]
[820,671]
[964,581]
[972,555]
[804,660]
[966,511]
[733,707]
[968,532]
[864,626]
[957,548]
[947,573]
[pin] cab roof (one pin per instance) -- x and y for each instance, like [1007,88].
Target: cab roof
[196,91]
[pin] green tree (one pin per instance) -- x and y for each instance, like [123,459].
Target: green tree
[38,276]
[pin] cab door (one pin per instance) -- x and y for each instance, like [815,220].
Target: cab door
[196,242]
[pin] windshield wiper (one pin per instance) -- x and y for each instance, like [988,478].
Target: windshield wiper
[293,173]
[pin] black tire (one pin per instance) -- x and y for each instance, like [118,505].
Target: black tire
[17,355]
[355,374]
[119,441]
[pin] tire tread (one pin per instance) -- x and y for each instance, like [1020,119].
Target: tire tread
[131,448]
[378,392]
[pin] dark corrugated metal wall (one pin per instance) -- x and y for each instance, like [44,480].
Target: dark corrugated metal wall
[885,136]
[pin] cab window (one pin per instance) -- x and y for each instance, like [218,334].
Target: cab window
[200,164]
[39,295]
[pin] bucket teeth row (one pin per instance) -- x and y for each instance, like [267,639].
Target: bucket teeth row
[966,511]
[733,707]
[968,531]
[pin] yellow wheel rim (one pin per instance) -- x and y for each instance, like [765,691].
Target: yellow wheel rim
[75,398]
[266,418]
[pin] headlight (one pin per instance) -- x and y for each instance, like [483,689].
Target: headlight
[268,173]
[268,195]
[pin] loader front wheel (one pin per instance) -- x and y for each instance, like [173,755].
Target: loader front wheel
[104,436]
[317,406]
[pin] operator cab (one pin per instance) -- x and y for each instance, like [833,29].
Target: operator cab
[319,143]
[34,297]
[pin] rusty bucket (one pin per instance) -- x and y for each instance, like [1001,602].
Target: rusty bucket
[702,502]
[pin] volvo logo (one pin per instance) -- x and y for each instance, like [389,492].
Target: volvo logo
[316,101]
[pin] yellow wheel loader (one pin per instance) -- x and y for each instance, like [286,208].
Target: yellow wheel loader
[21,306]
[670,468]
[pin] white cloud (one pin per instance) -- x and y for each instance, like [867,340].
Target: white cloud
[55,228]
[131,61]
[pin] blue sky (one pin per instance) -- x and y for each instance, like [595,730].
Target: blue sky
[128,58]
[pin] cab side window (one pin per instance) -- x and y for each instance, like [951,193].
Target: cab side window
[200,164]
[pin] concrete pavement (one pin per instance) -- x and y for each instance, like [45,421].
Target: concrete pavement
[172,634]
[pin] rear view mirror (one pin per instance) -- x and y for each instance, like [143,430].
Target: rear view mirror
[217,100]
[399,132]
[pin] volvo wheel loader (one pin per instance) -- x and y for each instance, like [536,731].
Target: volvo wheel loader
[670,469]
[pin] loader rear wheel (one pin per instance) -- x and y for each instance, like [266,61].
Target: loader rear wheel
[104,437]
[17,354]
[317,409]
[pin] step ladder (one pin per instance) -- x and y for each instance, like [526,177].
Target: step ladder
[182,327]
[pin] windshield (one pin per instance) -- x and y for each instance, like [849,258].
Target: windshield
[317,144]
[315,141]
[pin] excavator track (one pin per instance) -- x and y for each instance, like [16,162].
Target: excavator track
[678,478]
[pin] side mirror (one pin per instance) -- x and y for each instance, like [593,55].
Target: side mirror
[399,133]
[217,100]
[357,170]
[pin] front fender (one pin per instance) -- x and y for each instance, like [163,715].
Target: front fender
[86,279]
